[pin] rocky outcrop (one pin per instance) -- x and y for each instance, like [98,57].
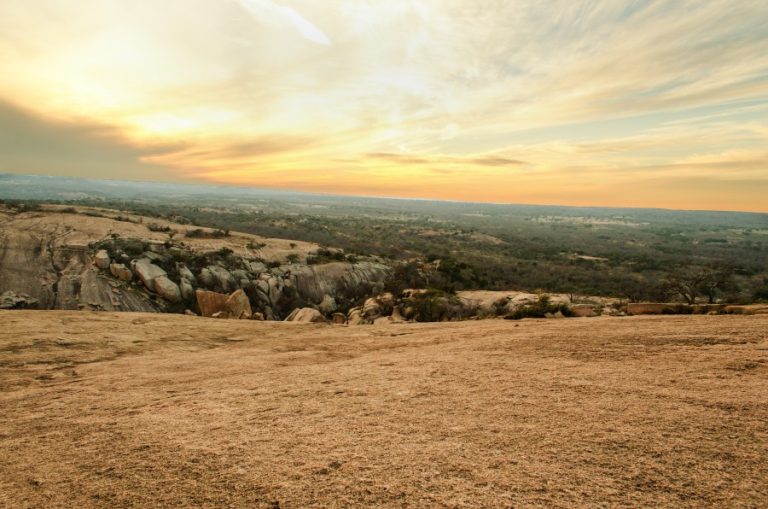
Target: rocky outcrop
[147,272]
[121,272]
[238,306]
[219,305]
[10,300]
[167,289]
[210,303]
[306,315]
[101,259]
[584,310]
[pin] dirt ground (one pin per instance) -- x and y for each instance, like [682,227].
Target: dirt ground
[137,410]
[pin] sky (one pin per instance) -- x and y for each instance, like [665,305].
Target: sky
[603,103]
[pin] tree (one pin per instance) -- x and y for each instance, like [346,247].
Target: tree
[691,283]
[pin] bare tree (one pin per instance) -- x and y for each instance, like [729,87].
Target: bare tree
[694,282]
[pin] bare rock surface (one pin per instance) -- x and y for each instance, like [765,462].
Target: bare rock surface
[306,315]
[145,410]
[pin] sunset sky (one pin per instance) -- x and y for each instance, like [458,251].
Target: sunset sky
[618,103]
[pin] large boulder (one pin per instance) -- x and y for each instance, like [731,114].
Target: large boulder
[306,315]
[187,290]
[355,317]
[147,272]
[167,289]
[101,259]
[380,305]
[583,310]
[339,318]
[220,305]
[328,305]
[121,272]
[210,303]
[223,280]
[185,273]
[238,306]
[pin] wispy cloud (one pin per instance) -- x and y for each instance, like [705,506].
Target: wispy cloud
[497,100]
[270,13]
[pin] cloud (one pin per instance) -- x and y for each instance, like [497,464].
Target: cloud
[511,101]
[267,11]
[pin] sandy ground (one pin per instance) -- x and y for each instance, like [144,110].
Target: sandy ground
[125,410]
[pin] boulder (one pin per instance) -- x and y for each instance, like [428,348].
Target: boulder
[383,320]
[647,308]
[121,272]
[257,267]
[339,318]
[238,306]
[306,315]
[257,316]
[187,290]
[210,303]
[583,310]
[328,305]
[167,289]
[185,273]
[206,278]
[147,272]
[101,260]
[222,278]
[371,308]
[355,317]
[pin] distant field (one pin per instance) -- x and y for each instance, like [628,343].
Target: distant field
[138,410]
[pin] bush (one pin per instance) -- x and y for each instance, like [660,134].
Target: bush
[540,309]
[154,227]
[199,233]
[437,306]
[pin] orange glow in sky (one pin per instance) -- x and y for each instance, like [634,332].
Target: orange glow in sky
[617,103]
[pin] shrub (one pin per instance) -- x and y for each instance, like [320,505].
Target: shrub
[199,233]
[154,227]
[437,306]
[540,309]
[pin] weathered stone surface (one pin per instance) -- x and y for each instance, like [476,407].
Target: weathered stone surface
[396,315]
[355,317]
[306,315]
[187,290]
[12,300]
[167,289]
[224,281]
[646,308]
[328,305]
[257,316]
[238,306]
[101,259]
[339,318]
[147,272]
[584,310]
[206,279]
[257,267]
[121,272]
[185,273]
[210,303]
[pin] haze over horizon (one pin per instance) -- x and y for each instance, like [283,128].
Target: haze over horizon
[624,103]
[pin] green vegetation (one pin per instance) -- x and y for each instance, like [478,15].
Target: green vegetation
[635,254]
[540,309]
